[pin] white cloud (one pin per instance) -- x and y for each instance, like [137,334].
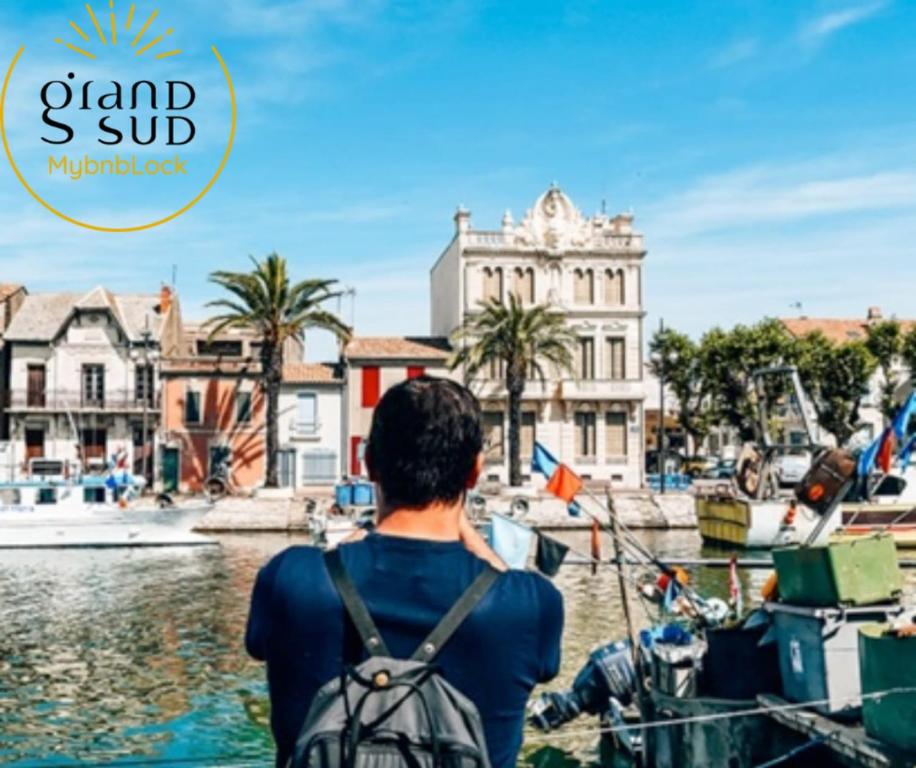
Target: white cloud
[819,29]
[781,193]
[735,52]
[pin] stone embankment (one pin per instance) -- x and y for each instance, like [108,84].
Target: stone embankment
[637,509]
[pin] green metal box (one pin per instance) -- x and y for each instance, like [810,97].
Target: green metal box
[888,663]
[861,571]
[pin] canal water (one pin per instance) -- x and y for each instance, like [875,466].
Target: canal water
[135,656]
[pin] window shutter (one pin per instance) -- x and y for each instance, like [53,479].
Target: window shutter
[616,434]
[371,386]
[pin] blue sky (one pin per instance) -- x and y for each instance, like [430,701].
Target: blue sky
[767,149]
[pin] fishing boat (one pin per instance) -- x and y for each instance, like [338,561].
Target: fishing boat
[56,509]
[725,517]
[752,510]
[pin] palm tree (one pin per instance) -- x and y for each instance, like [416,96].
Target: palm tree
[522,339]
[265,301]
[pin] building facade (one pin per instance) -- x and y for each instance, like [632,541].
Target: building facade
[590,270]
[372,365]
[213,411]
[842,330]
[83,380]
[312,444]
[11,298]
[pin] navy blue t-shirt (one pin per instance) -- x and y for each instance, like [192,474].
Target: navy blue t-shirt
[504,648]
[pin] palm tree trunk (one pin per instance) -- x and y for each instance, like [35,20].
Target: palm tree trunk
[273,375]
[515,386]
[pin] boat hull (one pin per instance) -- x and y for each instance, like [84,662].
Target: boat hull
[751,524]
[103,526]
[864,519]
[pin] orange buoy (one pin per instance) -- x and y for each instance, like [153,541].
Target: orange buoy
[770,590]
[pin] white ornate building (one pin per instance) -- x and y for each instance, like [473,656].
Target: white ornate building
[590,269]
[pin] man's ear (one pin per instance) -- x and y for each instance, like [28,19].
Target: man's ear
[476,472]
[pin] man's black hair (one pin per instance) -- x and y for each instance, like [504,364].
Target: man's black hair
[425,438]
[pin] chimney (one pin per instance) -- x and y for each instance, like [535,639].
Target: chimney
[462,220]
[165,299]
[874,314]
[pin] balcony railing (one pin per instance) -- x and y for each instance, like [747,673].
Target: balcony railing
[604,389]
[625,241]
[76,400]
[486,388]
[304,429]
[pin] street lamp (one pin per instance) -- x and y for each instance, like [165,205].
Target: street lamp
[147,356]
[661,366]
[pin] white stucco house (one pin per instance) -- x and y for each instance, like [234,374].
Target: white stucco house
[312,449]
[84,383]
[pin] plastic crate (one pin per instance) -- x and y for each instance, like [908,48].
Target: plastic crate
[887,662]
[819,653]
[856,572]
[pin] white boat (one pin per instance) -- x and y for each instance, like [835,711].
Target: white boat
[726,518]
[93,511]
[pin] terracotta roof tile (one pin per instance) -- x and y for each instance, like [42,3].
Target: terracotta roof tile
[311,373]
[434,348]
[836,330]
[8,289]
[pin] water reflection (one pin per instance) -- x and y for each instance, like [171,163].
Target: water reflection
[108,655]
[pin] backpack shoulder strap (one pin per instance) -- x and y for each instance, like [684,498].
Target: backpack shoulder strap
[354,604]
[456,614]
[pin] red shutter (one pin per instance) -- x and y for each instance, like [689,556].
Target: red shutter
[355,464]
[415,371]
[370,386]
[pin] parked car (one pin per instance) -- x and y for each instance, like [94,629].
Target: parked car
[697,466]
[723,470]
[790,468]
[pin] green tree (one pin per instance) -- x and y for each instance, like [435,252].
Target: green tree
[728,361]
[836,378]
[522,340]
[265,301]
[675,355]
[885,342]
[908,354]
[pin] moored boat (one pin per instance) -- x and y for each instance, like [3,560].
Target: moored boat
[724,517]
[93,511]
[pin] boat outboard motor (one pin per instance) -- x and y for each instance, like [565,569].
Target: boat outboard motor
[608,673]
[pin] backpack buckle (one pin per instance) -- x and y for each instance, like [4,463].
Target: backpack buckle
[381,679]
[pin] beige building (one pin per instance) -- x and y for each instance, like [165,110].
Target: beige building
[590,269]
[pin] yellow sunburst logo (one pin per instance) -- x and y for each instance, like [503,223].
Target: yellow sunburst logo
[111,38]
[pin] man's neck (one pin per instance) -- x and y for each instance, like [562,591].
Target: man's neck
[435,522]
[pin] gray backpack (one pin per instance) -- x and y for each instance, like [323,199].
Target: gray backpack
[393,713]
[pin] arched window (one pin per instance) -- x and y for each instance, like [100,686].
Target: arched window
[614,292]
[492,283]
[524,284]
[583,286]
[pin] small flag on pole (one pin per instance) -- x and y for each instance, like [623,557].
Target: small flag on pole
[596,546]
[734,587]
[562,482]
[887,449]
[550,554]
[511,541]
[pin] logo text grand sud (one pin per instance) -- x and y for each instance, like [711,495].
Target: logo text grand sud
[117,116]
[115,101]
